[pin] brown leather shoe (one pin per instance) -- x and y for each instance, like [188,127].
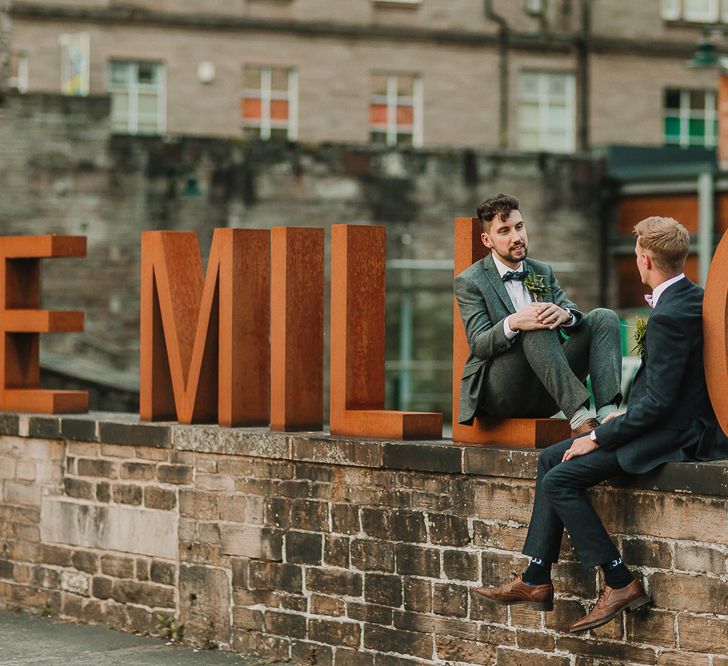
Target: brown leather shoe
[611,603]
[515,591]
[585,428]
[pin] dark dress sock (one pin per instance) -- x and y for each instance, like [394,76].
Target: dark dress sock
[538,572]
[616,575]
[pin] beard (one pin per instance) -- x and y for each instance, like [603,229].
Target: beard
[513,254]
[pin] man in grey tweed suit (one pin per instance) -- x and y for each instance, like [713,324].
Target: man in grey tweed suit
[520,366]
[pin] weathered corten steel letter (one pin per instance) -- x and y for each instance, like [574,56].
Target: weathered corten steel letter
[357,342]
[525,433]
[22,321]
[715,332]
[297,329]
[205,350]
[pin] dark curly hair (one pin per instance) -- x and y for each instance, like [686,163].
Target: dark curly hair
[501,204]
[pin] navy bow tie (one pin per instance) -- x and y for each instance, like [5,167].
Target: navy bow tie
[520,276]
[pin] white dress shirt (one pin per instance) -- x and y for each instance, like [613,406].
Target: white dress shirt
[660,289]
[516,290]
[520,297]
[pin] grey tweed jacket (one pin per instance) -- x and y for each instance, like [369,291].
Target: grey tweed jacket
[484,303]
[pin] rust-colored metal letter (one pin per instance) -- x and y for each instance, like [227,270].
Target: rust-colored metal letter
[205,352]
[22,321]
[357,342]
[526,433]
[715,332]
[297,329]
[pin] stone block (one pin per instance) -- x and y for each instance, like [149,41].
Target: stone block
[698,594]
[117,566]
[408,526]
[204,601]
[310,515]
[443,458]
[345,519]
[109,527]
[511,657]
[103,491]
[137,471]
[78,488]
[160,498]
[334,582]
[620,652]
[450,600]
[84,430]
[96,467]
[72,581]
[647,553]
[417,594]
[175,474]
[25,470]
[460,564]
[135,434]
[83,560]
[448,530]
[417,560]
[303,652]
[387,639]
[335,632]
[322,604]
[372,555]
[148,594]
[703,558]
[382,589]
[459,650]
[369,613]
[275,576]
[21,492]
[250,541]
[124,493]
[285,624]
[703,634]
[44,427]
[336,551]
[304,547]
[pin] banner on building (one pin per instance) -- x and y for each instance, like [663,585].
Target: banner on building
[75,63]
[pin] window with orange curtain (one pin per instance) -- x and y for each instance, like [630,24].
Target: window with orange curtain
[395,109]
[268,102]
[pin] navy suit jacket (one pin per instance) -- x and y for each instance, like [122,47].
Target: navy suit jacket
[669,416]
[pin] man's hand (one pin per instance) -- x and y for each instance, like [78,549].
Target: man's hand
[552,315]
[580,447]
[611,416]
[528,318]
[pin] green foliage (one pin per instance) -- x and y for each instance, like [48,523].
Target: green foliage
[639,337]
[168,627]
[536,286]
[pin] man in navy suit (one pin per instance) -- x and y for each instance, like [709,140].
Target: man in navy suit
[668,417]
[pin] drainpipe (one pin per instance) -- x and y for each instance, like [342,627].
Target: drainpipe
[706,224]
[582,55]
[503,35]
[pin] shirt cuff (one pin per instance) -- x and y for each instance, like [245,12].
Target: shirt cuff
[593,436]
[508,331]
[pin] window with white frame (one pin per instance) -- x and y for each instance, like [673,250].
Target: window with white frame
[698,11]
[137,97]
[18,79]
[546,112]
[269,102]
[395,109]
[690,118]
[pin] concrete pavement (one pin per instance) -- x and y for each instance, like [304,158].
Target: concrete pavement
[26,639]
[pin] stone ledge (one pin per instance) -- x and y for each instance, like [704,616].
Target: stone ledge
[442,457]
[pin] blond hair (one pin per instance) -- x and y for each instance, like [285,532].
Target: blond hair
[666,239]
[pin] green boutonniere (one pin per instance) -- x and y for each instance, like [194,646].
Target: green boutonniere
[536,286]
[639,337]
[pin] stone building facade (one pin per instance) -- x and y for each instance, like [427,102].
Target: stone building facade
[65,173]
[561,76]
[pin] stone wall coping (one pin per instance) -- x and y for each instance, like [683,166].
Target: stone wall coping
[437,456]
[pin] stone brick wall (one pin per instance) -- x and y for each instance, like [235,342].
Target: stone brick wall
[332,552]
[4,45]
